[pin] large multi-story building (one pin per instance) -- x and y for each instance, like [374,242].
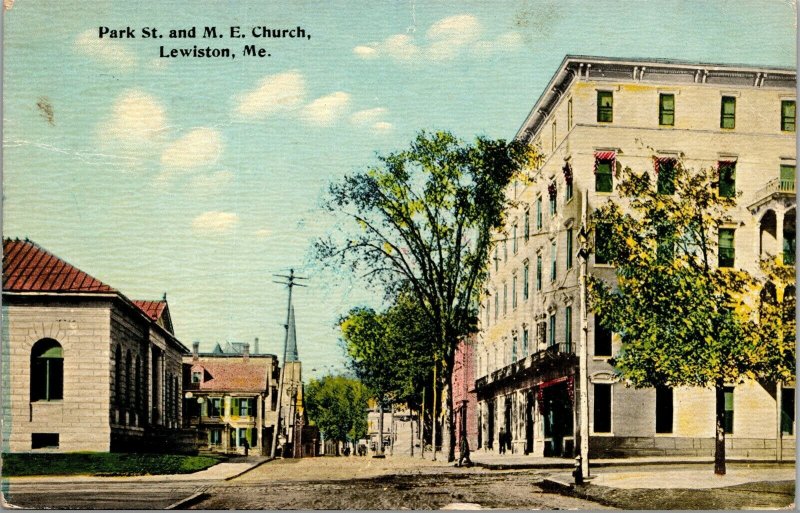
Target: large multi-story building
[231,397]
[596,116]
[84,367]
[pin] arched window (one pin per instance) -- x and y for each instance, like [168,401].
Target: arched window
[128,378]
[118,375]
[47,371]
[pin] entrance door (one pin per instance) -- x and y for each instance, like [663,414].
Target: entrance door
[507,419]
[529,402]
[490,422]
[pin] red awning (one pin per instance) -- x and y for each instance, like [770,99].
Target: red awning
[605,155]
[658,161]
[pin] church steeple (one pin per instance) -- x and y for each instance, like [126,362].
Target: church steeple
[291,344]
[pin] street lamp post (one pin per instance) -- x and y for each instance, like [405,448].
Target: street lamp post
[582,467]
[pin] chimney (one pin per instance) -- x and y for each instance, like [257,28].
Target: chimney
[255,347]
[195,350]
[245,351]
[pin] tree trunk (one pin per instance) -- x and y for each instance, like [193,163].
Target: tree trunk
[380,428]
[448,428]
[719,447]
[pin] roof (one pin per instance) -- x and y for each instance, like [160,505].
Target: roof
[28,267]
[231,374]
[152,309]
[231,348]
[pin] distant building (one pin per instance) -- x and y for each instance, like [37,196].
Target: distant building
[231,398]
[596,116]
[465,400]
[85,368]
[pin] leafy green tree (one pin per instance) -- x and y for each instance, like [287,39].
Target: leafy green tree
[425,217]
[338,406]
[684,317]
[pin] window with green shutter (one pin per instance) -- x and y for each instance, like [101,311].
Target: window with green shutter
[569,248]
[666,109]
[538,272]
[666,176]
[727,179]
[788,115]
[525,281]
[602,243]
[728,112]
[539,213]
[603,178]
[605,106]
[727,253]
[568,329]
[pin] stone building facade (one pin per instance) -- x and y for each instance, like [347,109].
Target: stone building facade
[596,116]
[231,398]
[84,367]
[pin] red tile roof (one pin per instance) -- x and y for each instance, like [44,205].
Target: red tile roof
[28,267]
[226,373]
[152,309]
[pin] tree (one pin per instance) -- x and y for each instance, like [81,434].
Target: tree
[338,406]
[425,217]
[391,351]
[686,317]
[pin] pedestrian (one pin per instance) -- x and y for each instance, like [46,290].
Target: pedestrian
[501,438]
[246,446]
[463,458]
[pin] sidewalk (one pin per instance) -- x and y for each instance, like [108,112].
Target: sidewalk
[493,460]
[219,472]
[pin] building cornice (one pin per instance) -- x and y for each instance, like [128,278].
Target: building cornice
[656,71]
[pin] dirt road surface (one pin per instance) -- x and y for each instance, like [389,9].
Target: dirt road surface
[392,483]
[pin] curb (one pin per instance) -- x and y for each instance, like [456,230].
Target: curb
[613,463]
[190,500]
[245,471]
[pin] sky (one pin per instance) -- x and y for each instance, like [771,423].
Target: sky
[203,178]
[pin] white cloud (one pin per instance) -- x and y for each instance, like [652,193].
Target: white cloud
[327,109]
[364,117]
[108,52]
[275,93]
[382,126]
[211,183]
[444,40]
[200,147]
[263,233]
[135,117]
[214,223]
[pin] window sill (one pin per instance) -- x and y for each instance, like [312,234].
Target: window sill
[601,358]
[604,266]
[602,434]
[665,435]
[47,401]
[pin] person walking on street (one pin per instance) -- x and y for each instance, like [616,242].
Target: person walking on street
[246,446]
[501,438]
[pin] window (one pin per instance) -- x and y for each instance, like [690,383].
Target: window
[787,177]
[47,371]
[727,179]
[527,224]
[664,409]
[538,272]
[514,350]
[727,118]
[505,298]
[788,115]
[665,169]
[553,192]
[602,338]
[488,310]
[541,334]
[602,408]
[727,252]
[666,109]
[569,114]
[44,440]
[553,254]
[214,406]
[496,258]
[603,179]
[525,281]
[555,137]
[514,241]
[602,243]
[539,213]
[514,291]
[215,437]
[552,330]
[118,375]
[246,407]
[569,248]
[505,250]
[787,411]
[137,396]
[665,249]
[197,376]
[128,377]
[525,336]
[496,305]
[728,410]
[605,106]
[568,329]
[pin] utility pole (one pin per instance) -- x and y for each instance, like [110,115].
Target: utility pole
[290,282]
[582,470]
